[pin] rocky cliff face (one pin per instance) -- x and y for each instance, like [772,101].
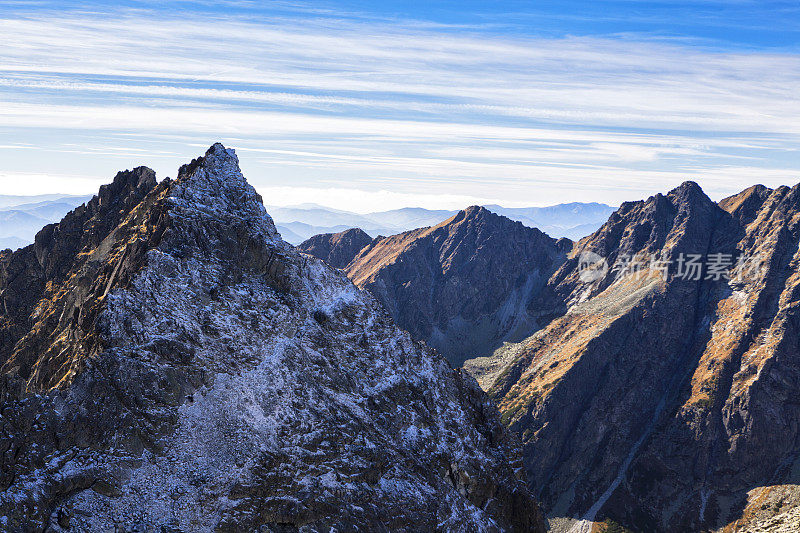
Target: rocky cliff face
[664,402]
[170,364]
[336,249]
[464,286]
[36,312]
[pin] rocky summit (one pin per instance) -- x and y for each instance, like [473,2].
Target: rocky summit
[170,364]
[464,286]
[661,400]
[336,249]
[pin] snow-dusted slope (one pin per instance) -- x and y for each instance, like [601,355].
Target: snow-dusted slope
[193,372]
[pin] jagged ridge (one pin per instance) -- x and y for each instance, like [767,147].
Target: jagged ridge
[656,402]
[465,285]
[190,371]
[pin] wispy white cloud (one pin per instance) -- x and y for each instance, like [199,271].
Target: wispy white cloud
[395,106]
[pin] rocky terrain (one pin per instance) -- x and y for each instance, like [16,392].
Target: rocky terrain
[168,363]
[464,286]
[336,249]
[664,402]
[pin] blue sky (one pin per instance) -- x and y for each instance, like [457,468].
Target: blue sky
[373,105]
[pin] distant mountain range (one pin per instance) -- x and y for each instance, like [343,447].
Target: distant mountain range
[299,223]
[21,217]
[574,220]
[8,201]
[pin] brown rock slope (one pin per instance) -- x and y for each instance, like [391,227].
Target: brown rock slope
[40,323]
[667,404]
[170,364]
[336,249]
[465,285]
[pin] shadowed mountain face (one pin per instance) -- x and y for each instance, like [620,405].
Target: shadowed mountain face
[336,249]
[464,286]
[168,363]
[664,402]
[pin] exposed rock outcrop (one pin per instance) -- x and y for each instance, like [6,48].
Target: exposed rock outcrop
[664,403]
[336,249]
[177,367]
[36,312]
[464,286]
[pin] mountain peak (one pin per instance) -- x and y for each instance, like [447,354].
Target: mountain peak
[464,285]
[689,193]
[213,188]
[353,232]
[476,211]
[746,204]
[689,185]
[217,160]
[184,369]
[336,249]
[473,213]
[217,156]
[139,180]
